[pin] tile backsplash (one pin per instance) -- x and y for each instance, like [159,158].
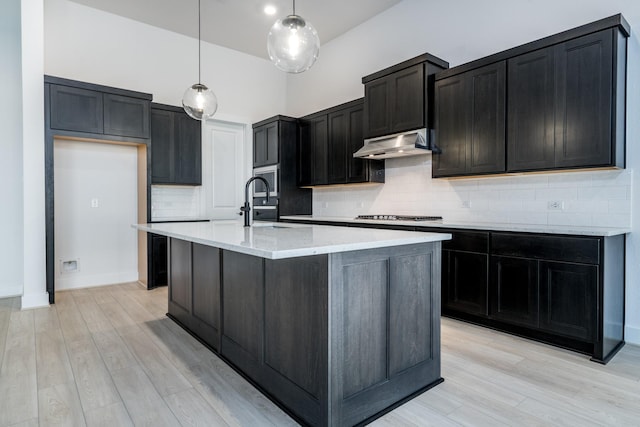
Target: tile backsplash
[170,202]
[593,198]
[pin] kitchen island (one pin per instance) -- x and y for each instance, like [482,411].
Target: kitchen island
[335,325]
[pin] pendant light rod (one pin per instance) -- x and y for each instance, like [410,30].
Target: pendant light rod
[199,43]
[294,7]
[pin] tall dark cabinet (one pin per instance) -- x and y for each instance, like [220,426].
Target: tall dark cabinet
[276,143]
[176,147]
[564,100]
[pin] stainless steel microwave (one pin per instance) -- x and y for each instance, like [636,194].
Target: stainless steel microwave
[270,173]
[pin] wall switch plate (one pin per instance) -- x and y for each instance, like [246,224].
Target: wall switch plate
[555,205]
[325,205]
[466,204]
[94,203]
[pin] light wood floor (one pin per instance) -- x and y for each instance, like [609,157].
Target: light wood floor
[109,357]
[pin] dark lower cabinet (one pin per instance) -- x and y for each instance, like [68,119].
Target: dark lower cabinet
[158,267]
[335,338]
[465,272]
[568,293]
[514,290]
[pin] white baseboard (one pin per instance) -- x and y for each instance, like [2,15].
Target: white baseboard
[632,335]
[89,281]
[7,291]
[41,299]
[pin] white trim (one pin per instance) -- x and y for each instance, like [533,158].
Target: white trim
[93,280]
[7,291]
[632,335]
[35,300]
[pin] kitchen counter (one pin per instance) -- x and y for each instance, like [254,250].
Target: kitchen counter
[278,241]
[526,228]
[335,324]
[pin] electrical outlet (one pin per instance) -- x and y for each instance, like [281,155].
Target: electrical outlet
[555,205]
[325,205]
[466,204]
[94,203]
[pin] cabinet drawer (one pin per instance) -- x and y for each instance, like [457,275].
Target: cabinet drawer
[557,248]
[468,241]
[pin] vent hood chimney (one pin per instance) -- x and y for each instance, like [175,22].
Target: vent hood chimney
[404,144]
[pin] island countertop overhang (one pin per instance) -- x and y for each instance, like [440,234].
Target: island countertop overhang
[280,241]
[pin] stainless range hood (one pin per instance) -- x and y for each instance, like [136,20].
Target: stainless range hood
[398,145]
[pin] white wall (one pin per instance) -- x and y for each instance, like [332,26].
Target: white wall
[34,272]
[90,45]
[99,238]
[11,157]
[460,31]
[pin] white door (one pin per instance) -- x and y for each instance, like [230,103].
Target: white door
[226,169]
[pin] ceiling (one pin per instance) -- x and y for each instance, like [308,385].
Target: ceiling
[242,24]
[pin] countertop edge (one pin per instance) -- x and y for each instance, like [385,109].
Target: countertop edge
[515,228]
[298,252]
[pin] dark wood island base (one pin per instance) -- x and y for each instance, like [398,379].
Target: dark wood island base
[335,340]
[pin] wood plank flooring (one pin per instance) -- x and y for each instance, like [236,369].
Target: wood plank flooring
[108,356]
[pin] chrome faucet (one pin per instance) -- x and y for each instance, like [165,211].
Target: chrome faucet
[246,209]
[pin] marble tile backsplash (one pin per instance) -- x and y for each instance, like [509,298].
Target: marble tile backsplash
[593,198]
[175,202]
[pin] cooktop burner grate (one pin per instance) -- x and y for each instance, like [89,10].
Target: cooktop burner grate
[400,217]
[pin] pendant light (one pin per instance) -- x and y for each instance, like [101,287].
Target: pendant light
[293,44]
[198,100]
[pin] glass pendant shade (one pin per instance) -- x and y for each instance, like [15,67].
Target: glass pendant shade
[199,102]
[293,44]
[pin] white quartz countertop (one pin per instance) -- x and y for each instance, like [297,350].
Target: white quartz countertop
[528,228]
[284,240]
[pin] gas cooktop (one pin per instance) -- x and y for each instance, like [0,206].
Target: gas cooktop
[400,217]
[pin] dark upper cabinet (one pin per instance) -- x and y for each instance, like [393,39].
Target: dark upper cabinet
[328,140]
[561,107]
[100,110]
[531,111]
[75,109]
[176,147]
[584,101]
[265,145]
[470,122]
[125,116]
[565,105]
[398,98]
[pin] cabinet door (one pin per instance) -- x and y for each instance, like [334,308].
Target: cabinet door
[465,280]
[265,145]
[126,116]
[162,132]
[452,123]
[357,169]
[319,139]
[486,149]
[180,281]
[159,263]
[188,150]
[407,99]
[530,111]
[74,109]
[568,299]
[206,294]
[514,290]
[584,88]
[337,147]
[377,120]
[305,154]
